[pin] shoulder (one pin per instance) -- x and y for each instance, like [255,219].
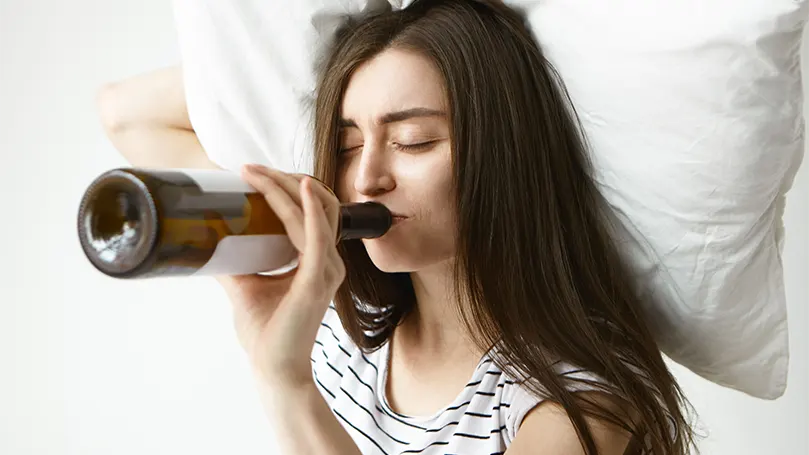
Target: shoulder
[521,400]
[547,428]
[534,424]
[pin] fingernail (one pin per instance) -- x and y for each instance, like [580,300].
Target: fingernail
[252,168]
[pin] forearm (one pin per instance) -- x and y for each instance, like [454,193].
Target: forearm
[304,423]
[155,98]
[146,119]
[161,147]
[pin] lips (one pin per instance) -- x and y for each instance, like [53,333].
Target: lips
[393,214]
[396,214]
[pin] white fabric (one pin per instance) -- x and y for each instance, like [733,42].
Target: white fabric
[692,110]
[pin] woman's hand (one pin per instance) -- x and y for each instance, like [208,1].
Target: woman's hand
[277,317]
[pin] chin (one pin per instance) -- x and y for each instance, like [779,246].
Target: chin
[388,259]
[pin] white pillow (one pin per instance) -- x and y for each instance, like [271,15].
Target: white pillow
[249,73]
[692,110]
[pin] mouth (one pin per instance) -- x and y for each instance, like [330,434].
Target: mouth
[396,219]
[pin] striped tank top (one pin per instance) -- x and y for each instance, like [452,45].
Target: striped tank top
[483,418]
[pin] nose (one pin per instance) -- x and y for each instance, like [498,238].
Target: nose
[374,176]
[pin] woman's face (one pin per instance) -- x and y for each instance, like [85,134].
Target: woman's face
[395,149]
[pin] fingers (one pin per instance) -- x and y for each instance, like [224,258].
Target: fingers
[330,203]
[291,184]
[281,202]
[321,261]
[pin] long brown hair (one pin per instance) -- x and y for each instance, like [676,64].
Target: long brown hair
[537,268]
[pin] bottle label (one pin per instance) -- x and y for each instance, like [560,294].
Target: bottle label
[246,254]
[218,181]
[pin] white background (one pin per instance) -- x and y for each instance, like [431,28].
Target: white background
[90,365]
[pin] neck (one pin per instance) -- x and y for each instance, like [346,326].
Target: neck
[435,326]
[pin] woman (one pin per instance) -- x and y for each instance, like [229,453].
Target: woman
[496,316]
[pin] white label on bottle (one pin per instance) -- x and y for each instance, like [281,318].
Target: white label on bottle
[220,181]
[244,254]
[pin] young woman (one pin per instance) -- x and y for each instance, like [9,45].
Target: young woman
[496,316]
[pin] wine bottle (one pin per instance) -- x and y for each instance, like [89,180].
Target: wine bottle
[142,223]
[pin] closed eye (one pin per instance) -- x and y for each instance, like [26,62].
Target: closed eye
[348,149]
[414,147]
[403,147]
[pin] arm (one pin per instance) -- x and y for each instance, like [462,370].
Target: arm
[547,430]
[304,423]
[146,119]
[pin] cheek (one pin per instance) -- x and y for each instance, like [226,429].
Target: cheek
[431,171]
[432,180]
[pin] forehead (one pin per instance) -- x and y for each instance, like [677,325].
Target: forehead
[391,81]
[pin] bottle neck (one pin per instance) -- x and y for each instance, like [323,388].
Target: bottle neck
[363,220]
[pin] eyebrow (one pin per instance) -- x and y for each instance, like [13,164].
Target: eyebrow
[398,116]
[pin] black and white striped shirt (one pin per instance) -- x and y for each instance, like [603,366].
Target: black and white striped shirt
[483,419]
